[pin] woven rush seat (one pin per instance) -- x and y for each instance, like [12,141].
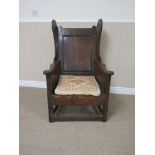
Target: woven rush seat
[77,85]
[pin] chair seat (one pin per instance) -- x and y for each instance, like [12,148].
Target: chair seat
[77,85]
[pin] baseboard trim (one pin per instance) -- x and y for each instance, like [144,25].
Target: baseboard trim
[122,90]
[35,84]
[42,84]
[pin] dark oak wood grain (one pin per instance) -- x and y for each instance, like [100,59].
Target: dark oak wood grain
[77,52]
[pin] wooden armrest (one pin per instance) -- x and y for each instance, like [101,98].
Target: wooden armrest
[101,68]
[52,76]
[54,69]
[47,72]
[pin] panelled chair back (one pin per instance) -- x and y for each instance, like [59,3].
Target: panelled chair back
[77,76]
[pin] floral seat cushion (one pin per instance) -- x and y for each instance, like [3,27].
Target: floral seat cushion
[77,85]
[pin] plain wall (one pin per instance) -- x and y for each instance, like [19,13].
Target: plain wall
[77,10]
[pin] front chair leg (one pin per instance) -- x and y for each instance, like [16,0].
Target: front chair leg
[105,112]
[50,105]
[105,117]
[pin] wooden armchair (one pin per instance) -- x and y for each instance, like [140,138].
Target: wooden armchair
[77,53]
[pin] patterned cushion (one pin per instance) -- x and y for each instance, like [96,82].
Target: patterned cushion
[77,85]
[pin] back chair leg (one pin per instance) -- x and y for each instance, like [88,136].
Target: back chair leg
[50,111]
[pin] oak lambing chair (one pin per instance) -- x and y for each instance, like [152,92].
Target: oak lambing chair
[77,76]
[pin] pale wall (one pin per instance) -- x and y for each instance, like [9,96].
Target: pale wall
[77,10]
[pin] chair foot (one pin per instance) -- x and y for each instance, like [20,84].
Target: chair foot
[51,119]
[50,114]
[105,117]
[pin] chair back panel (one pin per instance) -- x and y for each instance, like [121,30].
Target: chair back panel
[76,50]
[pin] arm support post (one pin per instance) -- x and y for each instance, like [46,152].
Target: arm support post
[103,76]
[52,76]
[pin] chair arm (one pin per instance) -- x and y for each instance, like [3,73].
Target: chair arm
[54,69]
[101,68]
[47,72]
[52,77]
